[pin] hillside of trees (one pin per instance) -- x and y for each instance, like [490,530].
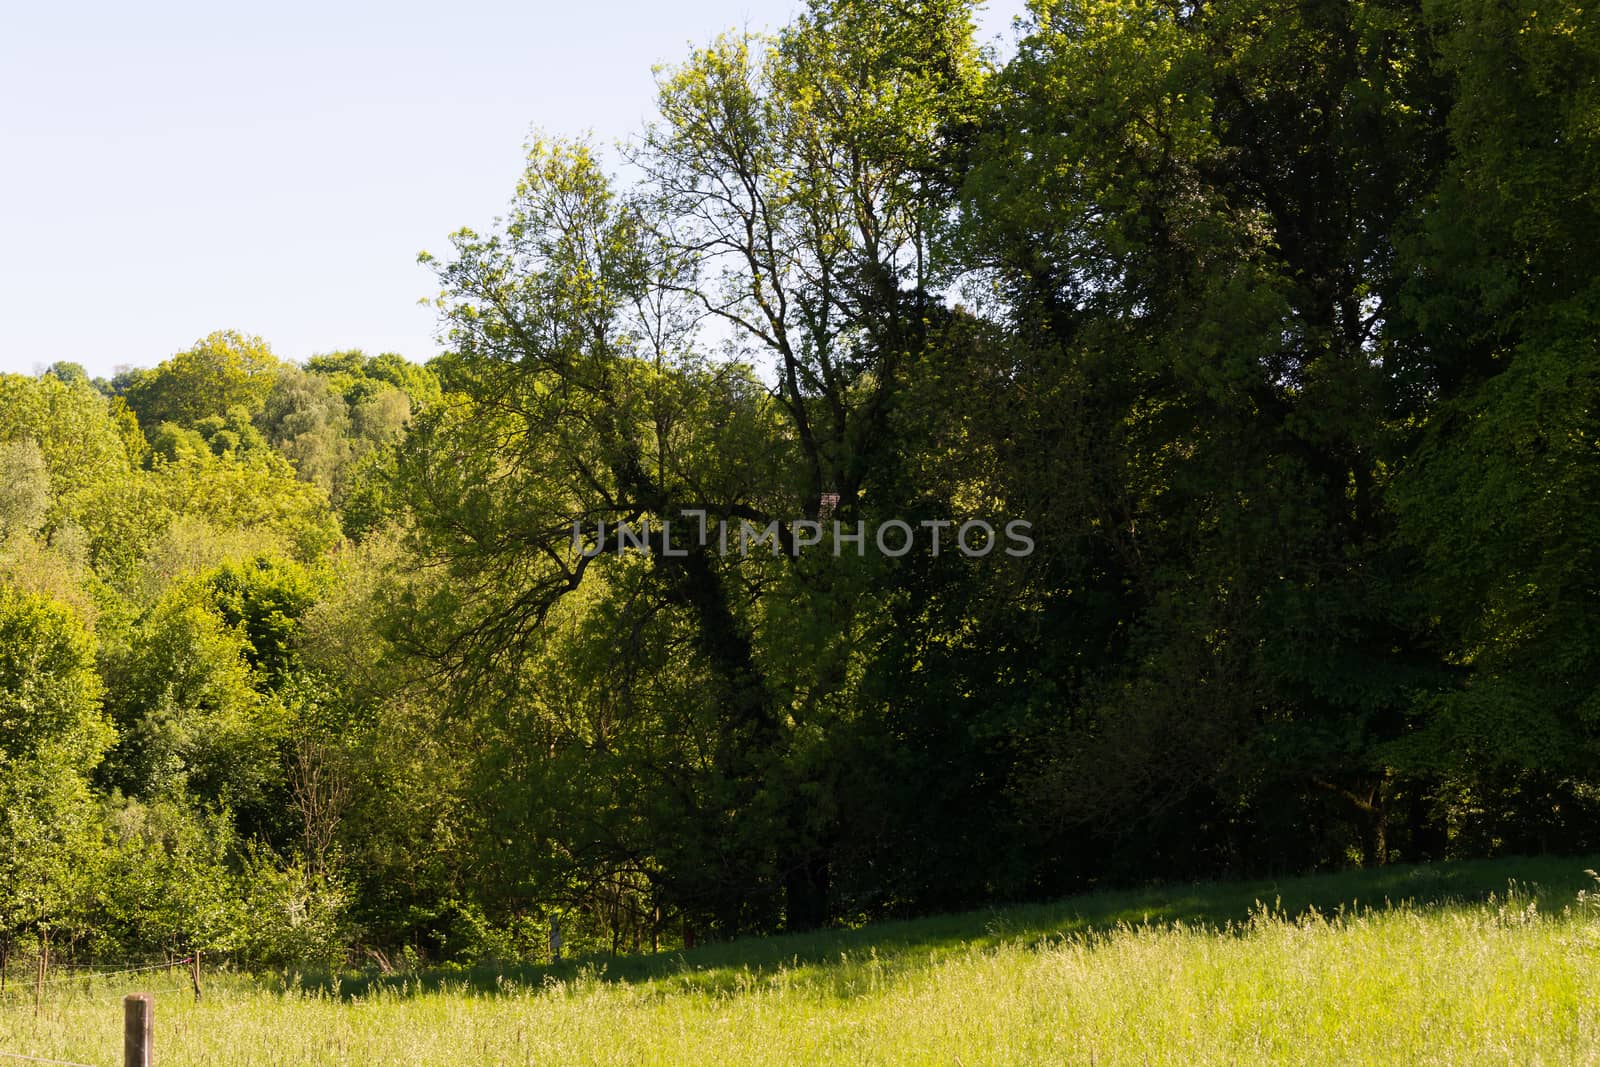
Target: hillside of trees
[1278,323]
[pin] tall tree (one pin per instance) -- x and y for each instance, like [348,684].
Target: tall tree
[223,371]
[793,195]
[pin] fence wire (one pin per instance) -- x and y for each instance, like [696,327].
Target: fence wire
[41,1059]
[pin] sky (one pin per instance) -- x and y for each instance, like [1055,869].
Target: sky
[169,169]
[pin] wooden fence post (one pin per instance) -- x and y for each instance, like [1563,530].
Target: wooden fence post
[138,1023]
[44,965]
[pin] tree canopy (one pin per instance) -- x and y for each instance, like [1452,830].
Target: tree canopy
[1273,328]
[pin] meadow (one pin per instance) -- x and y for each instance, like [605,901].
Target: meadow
[1465,963]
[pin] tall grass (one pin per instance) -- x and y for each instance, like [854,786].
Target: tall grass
[1451,973]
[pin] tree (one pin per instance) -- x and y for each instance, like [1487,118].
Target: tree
[568,385]
[308,422]
[253,490]
[796,191]
[170,886]
[1198,247]
[1493,496]
[67,372]
[75,431]
[24,488]
[192,720]
[223,371]
[52,736]
[804,181]
[339,422]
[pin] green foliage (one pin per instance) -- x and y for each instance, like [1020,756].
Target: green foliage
[361,378]
[264,600]
[51,856]
[307,421]
[223,371]
[52,735]
[294,917]
[340,422]
[67,372]
[1276,324]
[256,490]
[172,442]
[24,488]
[229,433]
[77,434]
[169,881]
[184,697]
[49,691]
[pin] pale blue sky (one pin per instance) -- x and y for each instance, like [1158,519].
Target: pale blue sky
[168,169]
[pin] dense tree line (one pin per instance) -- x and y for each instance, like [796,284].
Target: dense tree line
[1276,321]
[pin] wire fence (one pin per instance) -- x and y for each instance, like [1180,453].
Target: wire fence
[85,976]
[41,1059]
[27,989]
[126,970]
[80,971]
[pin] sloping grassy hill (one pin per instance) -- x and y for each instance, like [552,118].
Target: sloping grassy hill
[1454,963]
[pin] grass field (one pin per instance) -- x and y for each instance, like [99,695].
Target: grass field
[1477,963]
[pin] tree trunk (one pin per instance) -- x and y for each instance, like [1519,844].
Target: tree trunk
[806,896]
[1375,836]
[1371,817]
[44,965]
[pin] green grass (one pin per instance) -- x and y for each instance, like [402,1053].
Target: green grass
[1428,965]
